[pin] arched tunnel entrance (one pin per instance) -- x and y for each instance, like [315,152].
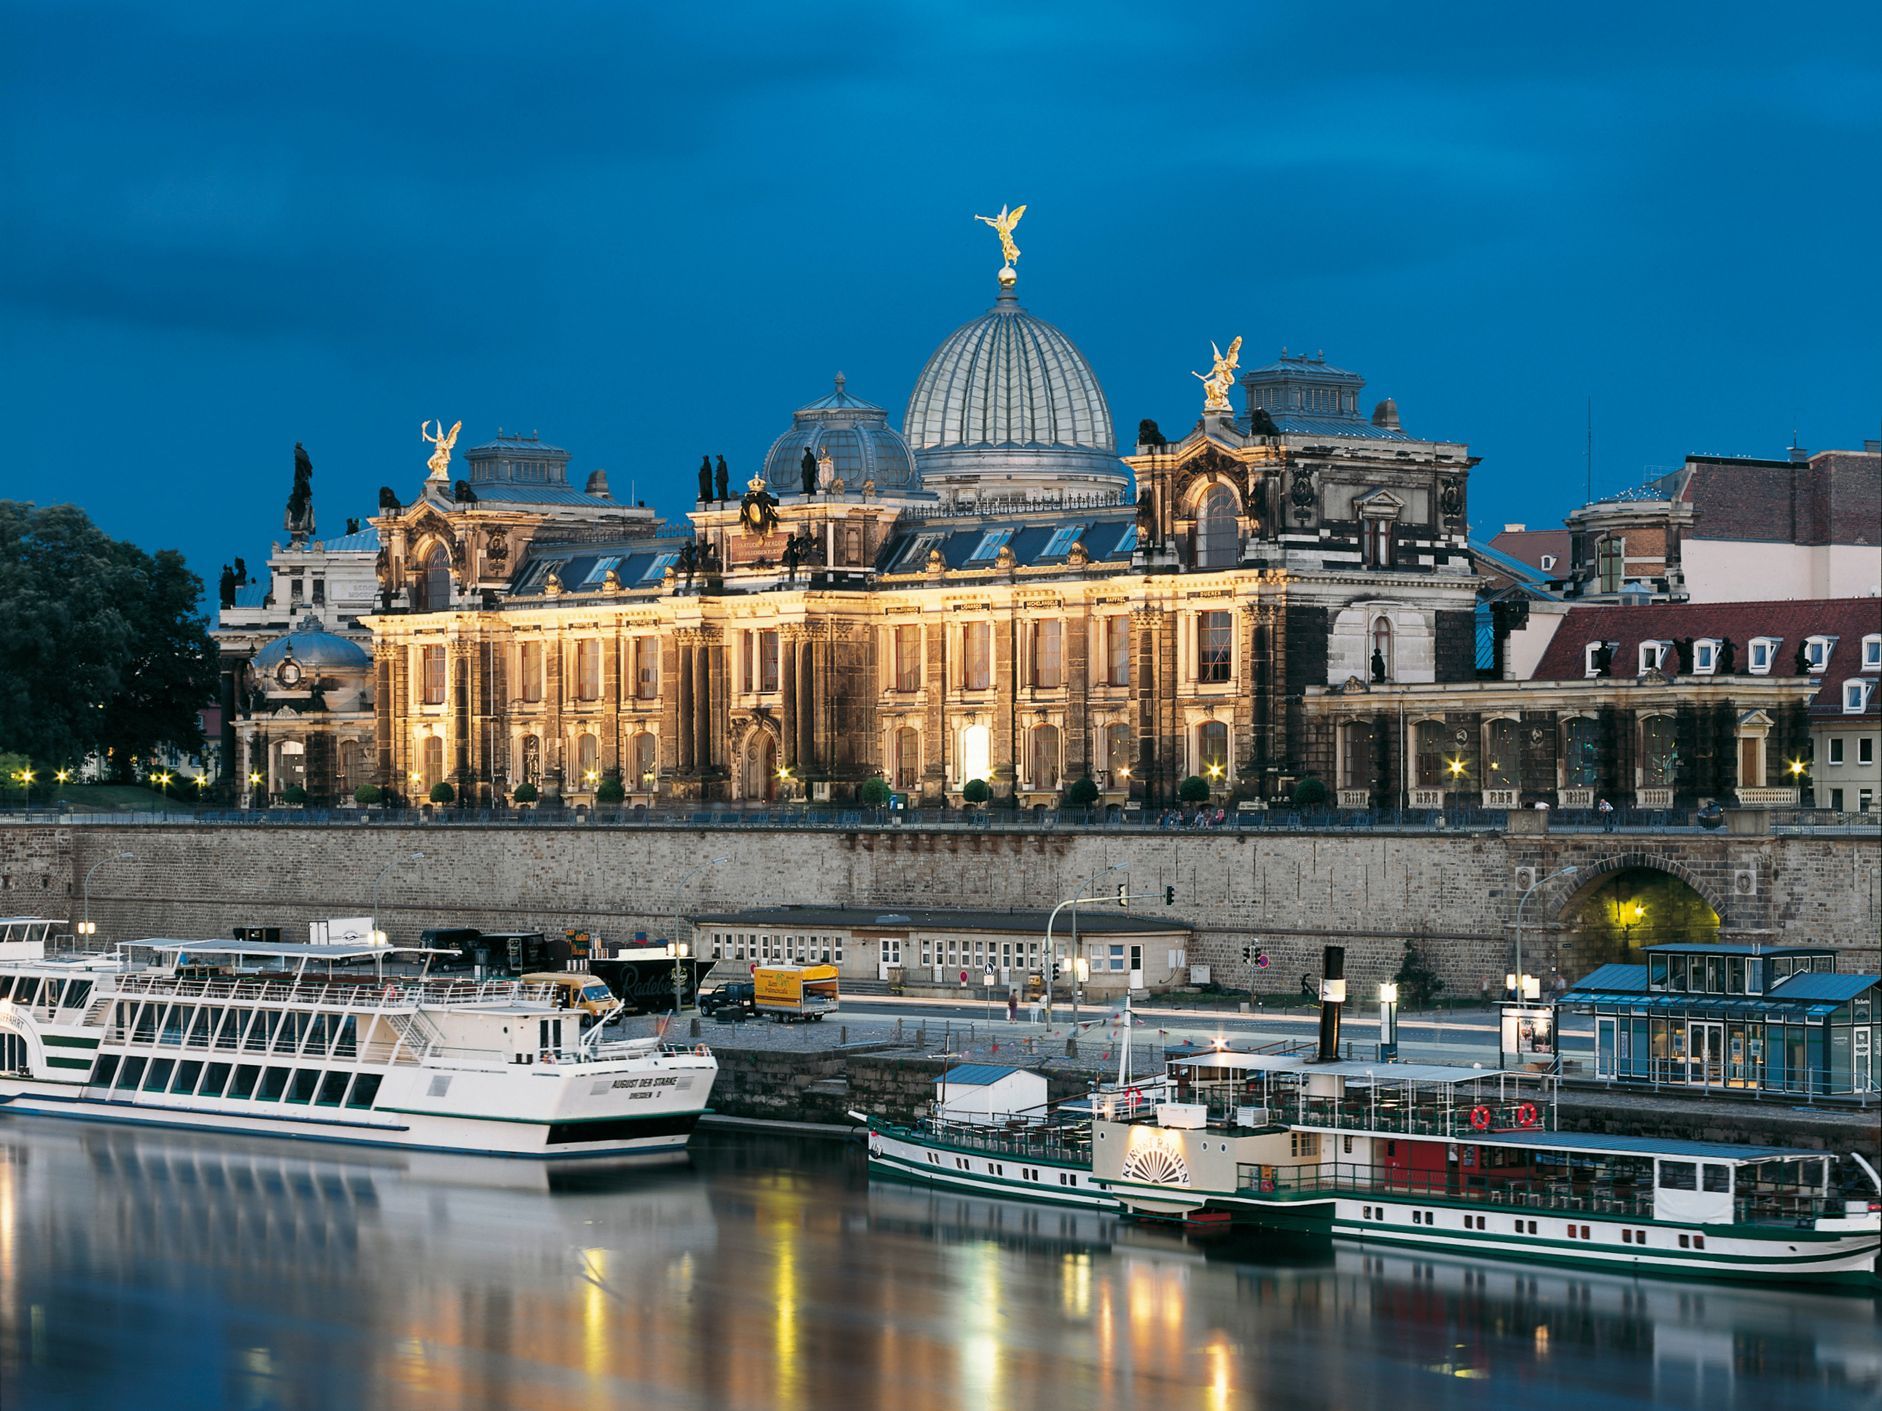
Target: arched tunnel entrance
[1614,916]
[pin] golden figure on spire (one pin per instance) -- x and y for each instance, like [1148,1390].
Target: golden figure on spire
[1003,225]
[1217,381]
[443,440]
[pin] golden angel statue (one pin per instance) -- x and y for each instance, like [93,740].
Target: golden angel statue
[1220,377]
[442,441]
[1003,225]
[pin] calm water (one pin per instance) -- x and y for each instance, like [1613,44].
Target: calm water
[148,1270]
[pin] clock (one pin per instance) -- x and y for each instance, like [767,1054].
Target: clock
[288,673]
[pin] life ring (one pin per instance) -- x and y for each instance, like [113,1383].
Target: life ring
[1526,1114]
[1480,1118]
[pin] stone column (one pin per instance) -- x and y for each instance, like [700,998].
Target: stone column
[1077,666]
[388,720]
[787,698]
[716,753]
[1005,722]
[702,706]
[687,730]
[806,705]
[613,682]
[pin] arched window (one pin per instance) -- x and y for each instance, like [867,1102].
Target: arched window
[532,760]
[976,753]
[434,583]
[1381,661]
[1218,536]
[1045,757]
[587,760]
[1581,758]
[907,758]
[1212,750]
[1120,753]
[1659,754]
[646,762]
[1445,761]
[1358,742]
[1503,762]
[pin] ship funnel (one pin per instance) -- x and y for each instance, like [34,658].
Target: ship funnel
[1332,1000]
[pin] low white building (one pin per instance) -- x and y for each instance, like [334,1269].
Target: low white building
[989,1094]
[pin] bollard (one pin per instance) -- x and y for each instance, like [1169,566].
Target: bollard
[843,1034]
[898,1028]
[693,1028]
[1071,1047]
[921,1036]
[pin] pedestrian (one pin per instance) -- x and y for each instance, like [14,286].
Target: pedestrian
[1483,991]
[1012,1007]
[1032,1011]
[1606,810]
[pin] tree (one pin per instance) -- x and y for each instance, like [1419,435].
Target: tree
[294,794]
[610,790]
[442,792]
[366,795]
[106,651]
[1194,789]
[1419,985]
[1310,793]
[1081,793]
[525,792]
[876,793]
[976,791]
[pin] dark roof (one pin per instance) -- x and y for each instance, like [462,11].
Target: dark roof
[1823,985]
[1109,536]
[1530,546]
[1091,919]
[1732,948]
[1346,428]
[582,568]
[1615,977]
[1848,620]
[975,1075]
[1596,1142]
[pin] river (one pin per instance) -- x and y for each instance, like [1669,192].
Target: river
[150,1270]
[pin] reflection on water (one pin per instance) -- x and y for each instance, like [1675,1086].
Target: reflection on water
[147,1270]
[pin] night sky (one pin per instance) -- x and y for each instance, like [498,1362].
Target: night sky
[651,232]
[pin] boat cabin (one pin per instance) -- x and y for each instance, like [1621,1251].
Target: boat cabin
[1750,1018]
[26,937]
[989,1094]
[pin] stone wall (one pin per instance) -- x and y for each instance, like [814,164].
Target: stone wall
[1285,894]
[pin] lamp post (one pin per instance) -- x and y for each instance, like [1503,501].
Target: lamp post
[1388,1019]
[379,935]
[987,980]
[677,951]
[85,926]
[1570,871]
[1052,920]
[679,887]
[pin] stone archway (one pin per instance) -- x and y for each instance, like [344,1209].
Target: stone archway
[1627,902]
[758,765]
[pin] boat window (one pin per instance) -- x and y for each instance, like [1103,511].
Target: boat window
[172,1030]
[274,1082]
[244,1084]
[306,1082]
[215,1079]
[157,1076]
[133,1072]
[365,1089]
[1679,1176]
[347,1044]
[201,1022]
[1656,972]
[29,986]
[78,992]
[6,986]
[188,1075]
[1718,1178]
[1735,975]
[332,1088]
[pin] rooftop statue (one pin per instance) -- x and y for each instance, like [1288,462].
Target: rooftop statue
[1003,225]
[442,441]
[722,476]
[705,479]
[300,516]
[1220,378]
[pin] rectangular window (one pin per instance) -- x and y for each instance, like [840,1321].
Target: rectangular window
[188,1074]
[1855,697]
[133,1073]
[1718,1178]
[1679,1176]
[1214,646]
[1048,656]
[433,668]
[599,573]
[658,568]
[1652,654]
[1763,649]
[157,1077]
[332,1088]
[907,658]
[274,1082]
[1060,544]
[646,667]
[1865,749]
[215,1079]
[1836,749]
[1117,650]
[588,669]
[1872,653]
[529,672]
[365,1089]
[306,1083]
[765,672]
[977,656]
[1127,544]
[243,1084]
[1705,657]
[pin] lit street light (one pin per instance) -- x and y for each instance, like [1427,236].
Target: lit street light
[678,951]
[86,927]
[1388,1019]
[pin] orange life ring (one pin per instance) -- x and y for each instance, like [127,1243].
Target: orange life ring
[1526,1114]
[1480,1117]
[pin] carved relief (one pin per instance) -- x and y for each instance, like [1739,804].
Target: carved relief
[1303,495]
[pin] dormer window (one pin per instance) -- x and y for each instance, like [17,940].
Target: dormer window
[1872,652]
[1548,563]
[990,545]
[1856,696]
[1597,659]
[1060,544]
[1705,656]
[1652,655]
[1817,653]
[1763,652]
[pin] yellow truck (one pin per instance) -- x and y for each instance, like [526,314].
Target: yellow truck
[791,992]
[576,989]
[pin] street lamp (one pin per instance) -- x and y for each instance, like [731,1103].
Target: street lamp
[680,886]
[1081,972]
[1073,902]
[86,927]
[677,951]
[987,979]
[1388,1019]
[378,935]
[1570,871]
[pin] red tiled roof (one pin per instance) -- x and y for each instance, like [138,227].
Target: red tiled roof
[1791,621]
[1529,545]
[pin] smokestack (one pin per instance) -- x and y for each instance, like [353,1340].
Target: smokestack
[1332,999]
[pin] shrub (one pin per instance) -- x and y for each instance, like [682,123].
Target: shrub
[294,794]
[1081,793]
[1418,984]
[610,791]
[976,791]
[442,792]
[525,793]
[366,795]
[1194,789]
[1310,793]
[876,793]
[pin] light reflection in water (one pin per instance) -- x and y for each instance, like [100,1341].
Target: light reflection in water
[151,1270]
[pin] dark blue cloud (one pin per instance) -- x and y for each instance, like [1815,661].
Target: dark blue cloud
[653,231]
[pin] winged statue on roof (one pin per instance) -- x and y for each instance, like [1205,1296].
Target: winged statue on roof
[442,441]
[1217,381]
[1003,226]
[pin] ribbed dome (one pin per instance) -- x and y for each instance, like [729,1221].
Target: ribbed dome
[861,444]
[314,648]
[1008,404]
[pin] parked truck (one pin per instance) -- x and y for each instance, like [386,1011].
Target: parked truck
[792,992]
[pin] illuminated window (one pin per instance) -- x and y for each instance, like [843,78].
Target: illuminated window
[907,658]
[1580,754]
[1120,749]
[1218,535]
[1045,757]
[588,669]
[1117,650]
[433,667]
[977,656]
[1212,750]
[1048,658]
[529,672]
[1214,646]
[976,757]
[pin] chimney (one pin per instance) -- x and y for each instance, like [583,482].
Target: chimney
[1515,528]
[1332,999]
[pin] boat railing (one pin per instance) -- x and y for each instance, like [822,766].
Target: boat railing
[393,993]
[1025,1140]
[1628,1200]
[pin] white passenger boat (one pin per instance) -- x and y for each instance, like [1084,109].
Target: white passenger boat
[1467,1161]
[337,1042]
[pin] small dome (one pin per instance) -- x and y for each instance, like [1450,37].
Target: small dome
[1007,402]
[1385,415]
[314,648]
[861,444]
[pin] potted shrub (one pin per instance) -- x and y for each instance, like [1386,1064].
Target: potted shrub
[525,792]
[294,794]
[1310,793]
[368,795]
[1194,789]
[976,792]
[875,793]
[1081,793]
[442,792]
